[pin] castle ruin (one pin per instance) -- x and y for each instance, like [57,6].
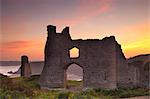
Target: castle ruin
[103,62]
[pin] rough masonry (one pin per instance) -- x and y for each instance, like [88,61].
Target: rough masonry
[102,61]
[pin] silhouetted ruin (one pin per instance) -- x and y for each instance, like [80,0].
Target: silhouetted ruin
[103,62]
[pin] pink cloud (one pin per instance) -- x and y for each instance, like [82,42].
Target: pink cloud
[86,9]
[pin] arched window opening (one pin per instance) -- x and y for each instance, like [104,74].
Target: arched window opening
[74,77]
[74,52]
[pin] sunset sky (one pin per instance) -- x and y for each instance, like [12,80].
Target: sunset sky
[23,24]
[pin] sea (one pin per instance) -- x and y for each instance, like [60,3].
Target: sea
[6,69]
[73,73]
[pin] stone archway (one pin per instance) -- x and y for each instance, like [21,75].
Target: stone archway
[74,76]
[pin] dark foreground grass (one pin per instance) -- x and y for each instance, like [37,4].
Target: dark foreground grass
[28,88]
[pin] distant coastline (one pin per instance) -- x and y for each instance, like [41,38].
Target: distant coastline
[6,67]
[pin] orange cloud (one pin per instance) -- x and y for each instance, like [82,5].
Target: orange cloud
[14,50]
[15,45]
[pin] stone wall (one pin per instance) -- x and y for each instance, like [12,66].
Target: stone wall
[125,74]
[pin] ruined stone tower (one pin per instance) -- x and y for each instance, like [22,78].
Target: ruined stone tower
[102,61]
[25,67]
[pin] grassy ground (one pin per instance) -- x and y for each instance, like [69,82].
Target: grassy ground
[28,88]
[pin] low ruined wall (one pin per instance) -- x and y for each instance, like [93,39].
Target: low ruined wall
[141,64]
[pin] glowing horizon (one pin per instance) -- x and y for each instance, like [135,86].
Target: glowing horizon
[23,28]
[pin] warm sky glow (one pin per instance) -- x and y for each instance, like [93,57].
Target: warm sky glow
[23,24]
[74,52]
